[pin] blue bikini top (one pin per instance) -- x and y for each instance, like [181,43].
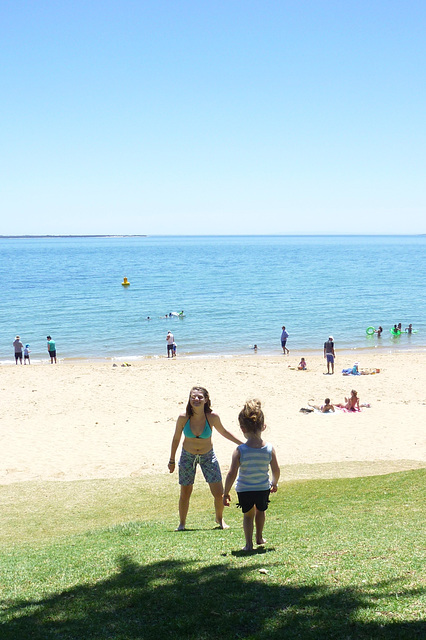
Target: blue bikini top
[206,433]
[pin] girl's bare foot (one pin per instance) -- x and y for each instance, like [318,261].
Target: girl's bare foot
[248,547]
[222,524]
[261,541]
[181,527]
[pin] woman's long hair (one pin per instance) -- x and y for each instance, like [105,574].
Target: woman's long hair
[207,406]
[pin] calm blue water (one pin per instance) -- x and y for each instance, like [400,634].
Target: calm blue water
[235,291]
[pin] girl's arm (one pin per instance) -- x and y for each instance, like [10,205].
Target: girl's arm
[215,422]
[180,423]
[275,472]
[230,478]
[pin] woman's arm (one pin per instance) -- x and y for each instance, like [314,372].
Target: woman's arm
[180,423]
[230,478]
[276,472]
[215,422]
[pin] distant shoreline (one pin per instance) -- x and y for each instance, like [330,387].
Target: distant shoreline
[130,235]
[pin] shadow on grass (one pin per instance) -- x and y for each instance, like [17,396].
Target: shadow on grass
[175,600]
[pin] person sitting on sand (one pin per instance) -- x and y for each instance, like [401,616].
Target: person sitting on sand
[352,403]
[302,366]
[327,407]
[196,425]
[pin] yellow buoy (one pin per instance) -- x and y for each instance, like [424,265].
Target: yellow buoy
[125,282]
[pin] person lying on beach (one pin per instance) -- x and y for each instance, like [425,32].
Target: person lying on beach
[327,407]
[352,372]
[352,403]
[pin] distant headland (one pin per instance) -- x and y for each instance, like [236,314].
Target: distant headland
[130,235]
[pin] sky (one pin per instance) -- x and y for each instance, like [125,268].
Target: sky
[177,117]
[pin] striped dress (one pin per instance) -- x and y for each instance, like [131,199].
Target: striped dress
[254,468]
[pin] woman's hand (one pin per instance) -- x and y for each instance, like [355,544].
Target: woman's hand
[171,466]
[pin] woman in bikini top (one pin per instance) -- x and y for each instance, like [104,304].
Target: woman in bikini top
[196,425]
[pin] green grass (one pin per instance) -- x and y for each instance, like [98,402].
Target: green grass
[100,560]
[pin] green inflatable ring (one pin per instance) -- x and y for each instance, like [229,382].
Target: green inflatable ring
[395,333]
[370,331]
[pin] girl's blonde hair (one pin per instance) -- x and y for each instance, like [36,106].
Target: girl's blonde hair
[251,416]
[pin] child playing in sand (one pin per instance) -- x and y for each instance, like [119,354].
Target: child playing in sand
[251,461]
[302,364]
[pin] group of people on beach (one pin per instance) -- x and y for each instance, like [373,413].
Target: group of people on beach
[251,462]
[350,404]
[22,352]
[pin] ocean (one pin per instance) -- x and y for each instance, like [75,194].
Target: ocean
[235,291]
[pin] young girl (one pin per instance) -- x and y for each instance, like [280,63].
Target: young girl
[302,365]
[252,461]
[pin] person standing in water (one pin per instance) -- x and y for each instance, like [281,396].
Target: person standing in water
[18,346]
[284,336]
[196,425]
[170,339]
[27,354]
[252,461]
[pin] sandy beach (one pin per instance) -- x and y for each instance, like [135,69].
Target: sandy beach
[81,421]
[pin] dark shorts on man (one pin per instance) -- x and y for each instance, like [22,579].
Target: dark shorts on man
[18,356]
[283,343]
[248,499]
[52,354]
[330,357]
[169,348]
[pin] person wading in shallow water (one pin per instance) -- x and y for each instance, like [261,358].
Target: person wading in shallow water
[284,336]
[196,425]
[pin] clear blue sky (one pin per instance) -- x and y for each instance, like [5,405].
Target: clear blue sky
[212,117]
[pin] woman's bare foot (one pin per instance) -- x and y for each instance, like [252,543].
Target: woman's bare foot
[181,527]
[261,541]
[222,524]
[248,547]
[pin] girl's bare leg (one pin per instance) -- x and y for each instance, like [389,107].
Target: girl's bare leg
[216,489]
[260,522]
[248,528]
[185,494]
